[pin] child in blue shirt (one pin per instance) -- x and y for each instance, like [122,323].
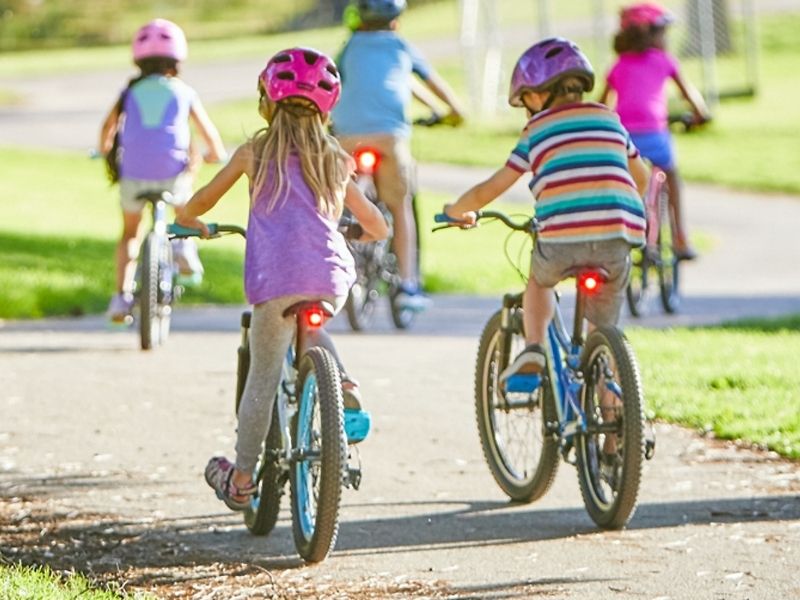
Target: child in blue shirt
[377,67]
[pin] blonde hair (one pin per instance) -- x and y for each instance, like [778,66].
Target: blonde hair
[296,126]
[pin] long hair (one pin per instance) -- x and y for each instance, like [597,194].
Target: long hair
[296,126]
[635,39]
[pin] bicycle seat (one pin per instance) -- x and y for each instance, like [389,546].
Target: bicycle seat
[304,305]
[579,270]
[155,196]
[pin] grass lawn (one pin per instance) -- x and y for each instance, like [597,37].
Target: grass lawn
[43,584]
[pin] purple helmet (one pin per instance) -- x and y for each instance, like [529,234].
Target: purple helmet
[544,63]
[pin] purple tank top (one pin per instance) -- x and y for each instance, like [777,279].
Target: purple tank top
[294,249]
[155,134]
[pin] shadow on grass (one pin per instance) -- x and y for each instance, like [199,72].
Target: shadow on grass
[763,325]
[66,276]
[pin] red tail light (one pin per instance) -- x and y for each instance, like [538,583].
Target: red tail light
[589,282]
[366,161]
[315,318]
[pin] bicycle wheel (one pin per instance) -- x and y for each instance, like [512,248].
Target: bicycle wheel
[363,297]
[402,317]
[166,288]
[668,270]
[638,290]
[610,453]
[320,456]
[261,516]
[149,326]
[521,455]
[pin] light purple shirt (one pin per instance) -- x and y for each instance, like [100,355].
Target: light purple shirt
[639,79]
[155,134]
[294,249]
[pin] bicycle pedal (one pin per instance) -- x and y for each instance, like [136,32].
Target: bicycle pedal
[357,425]
[523,383]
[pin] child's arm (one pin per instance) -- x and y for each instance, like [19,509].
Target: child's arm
[367,214]
[439,87]
[693,97]
[640,174]
[207,196]
[108,129]
[481,194]
[215,151]
[606,95]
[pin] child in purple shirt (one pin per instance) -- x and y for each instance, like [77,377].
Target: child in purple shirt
[300,180]
[638,80]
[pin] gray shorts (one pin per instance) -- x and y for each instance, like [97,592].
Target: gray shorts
[550,261]
[179,186]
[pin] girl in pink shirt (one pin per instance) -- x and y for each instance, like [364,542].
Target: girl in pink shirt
[638,81]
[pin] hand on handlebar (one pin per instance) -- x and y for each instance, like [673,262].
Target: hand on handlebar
[451,119]
[464,220]
[192,223]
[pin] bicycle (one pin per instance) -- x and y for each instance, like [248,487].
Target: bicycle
[308,439]
[154,283]
[587,406]
[376,264]
[657,261]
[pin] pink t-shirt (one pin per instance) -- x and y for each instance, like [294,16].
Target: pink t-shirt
[639,79]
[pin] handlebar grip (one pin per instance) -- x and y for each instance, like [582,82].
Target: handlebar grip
[181,231]
[443,218]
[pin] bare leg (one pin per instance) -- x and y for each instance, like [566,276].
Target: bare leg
[538,307]
[127,249]
[680,238]
[404,243]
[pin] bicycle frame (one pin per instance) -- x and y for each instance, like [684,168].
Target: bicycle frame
[652,210]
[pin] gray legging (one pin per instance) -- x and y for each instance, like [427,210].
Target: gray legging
[270,336]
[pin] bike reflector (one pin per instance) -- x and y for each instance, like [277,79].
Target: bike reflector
[315,318]
[589,282]
[366,161]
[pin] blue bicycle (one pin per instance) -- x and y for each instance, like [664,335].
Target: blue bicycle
[309,439]
[587,408]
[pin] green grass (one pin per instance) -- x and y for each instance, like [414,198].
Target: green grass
[42,584]
[739,381]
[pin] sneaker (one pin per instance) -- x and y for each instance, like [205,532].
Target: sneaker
[219,475]
[120,308]
[357,422]
[187,260]
[528,366]
[410,297]
[685,253]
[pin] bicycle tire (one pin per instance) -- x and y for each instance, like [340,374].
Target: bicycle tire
[149,327]
[166,290]
[262,515]
[317,474]
[363,296]
[610,491]
[668,265]
[529,481]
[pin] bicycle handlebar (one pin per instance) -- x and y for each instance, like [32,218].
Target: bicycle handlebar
[530,225]
[450,119]
[214,229]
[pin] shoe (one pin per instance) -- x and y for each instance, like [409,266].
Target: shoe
[357,422]
[410,297]
[610,469]
[187,261]
[219,475]
[685,253]
[531,360]
[120,308]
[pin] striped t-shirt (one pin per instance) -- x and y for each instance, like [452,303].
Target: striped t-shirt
[578,155]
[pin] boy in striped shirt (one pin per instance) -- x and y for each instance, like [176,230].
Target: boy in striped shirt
[588,181]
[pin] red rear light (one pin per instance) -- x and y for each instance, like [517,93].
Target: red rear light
[589,282]
[366,161]
[315,318]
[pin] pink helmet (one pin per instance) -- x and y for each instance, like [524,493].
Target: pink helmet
[645,14]
[302,72]
[160,38]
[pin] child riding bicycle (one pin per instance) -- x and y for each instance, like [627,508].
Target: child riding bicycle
[587,179]
[147,135]
[377,67]
[300,180]
[637,79]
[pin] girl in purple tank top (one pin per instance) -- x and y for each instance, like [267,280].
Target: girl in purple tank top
[299,180]
[638,80]
[146,137]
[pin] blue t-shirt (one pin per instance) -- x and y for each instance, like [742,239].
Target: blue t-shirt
[155,134]
[376,68]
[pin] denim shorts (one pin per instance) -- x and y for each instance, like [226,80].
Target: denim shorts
[550,261]
[179,186]
[657,147]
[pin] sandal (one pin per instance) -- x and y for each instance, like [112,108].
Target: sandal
[219,474]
